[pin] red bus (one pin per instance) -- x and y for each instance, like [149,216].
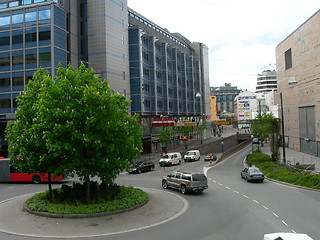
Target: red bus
[11,174]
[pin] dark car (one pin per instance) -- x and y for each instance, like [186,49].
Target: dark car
[185,181]
[252,174]
[210,156]
[140,167]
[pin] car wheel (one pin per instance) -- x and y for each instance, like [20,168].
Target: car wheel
[139,171]
[183,189]
[200,191]
[152,168]
[241,176]
[164,184]
[36,179]
[179,162]
[247,179]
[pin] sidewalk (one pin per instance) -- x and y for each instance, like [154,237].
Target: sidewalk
[293,157]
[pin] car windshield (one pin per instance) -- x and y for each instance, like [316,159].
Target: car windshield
[199,177]
[190,153]
[166,156]
[137,164]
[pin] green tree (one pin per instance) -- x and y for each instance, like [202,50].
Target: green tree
[82,125]
[186,131]
[266,125]
[165,137]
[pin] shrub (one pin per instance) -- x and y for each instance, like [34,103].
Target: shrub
[125,197]
[281,173]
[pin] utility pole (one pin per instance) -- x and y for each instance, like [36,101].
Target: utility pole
[283,137]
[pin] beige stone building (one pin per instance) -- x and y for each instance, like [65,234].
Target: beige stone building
[298,70]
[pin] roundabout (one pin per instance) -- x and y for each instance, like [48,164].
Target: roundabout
[162,207]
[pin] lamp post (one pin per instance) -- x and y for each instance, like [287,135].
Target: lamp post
[198,95]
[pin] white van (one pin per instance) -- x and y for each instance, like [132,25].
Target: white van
[168,159]
[192,155]
[286,236]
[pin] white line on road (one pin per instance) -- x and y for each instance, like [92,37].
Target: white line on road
[284,223]
[220,184]
[255,201]
[236,191]
[214,181]
[245,196]
[265,207]
[275,214]
[228,188]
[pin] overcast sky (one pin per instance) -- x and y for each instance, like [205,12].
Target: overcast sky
[241,34]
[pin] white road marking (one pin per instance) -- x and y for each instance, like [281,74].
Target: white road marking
[245,196]
[236,191]
[265,207]
[228,188]
[275,214]
[284,223]
[255,201]
[220,184]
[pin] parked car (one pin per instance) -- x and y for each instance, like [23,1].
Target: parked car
[286,236]
[192,155]
[252,174]
[210,156]
[168,159]
[185,181]
[140,167]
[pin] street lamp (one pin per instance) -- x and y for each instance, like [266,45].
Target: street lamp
[198,95]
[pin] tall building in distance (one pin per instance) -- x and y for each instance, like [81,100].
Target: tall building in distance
[225,96]
[266,81]
[163,73]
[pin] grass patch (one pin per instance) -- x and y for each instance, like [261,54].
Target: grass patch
[281,173]
[102,200]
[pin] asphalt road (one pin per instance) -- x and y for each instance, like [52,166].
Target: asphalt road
[230,209]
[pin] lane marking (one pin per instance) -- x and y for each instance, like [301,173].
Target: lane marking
[228,188]
[236,191]
[265,207]
[256,201]
[214,181]
[284,223]
[275,214]
[220,184]
[245,196]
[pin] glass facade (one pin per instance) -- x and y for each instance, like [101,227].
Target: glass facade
[30,37]
[165,74]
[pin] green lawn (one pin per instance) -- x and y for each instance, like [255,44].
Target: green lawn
[281,173]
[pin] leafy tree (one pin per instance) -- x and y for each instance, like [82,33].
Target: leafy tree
[185,130]
[82,125]
[165,137]
[266,125]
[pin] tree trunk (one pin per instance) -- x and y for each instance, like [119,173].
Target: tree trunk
[87,182]
[50,187]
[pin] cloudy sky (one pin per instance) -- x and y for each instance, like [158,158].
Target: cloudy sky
[241,34]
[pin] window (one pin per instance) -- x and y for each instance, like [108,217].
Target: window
[4,21]
[43,36]
[288,59]
[18,18]
[31,16]
[5,103]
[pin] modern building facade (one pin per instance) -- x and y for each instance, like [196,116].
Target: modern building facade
[160,72]
[266,81]
[298,70]
[225,96]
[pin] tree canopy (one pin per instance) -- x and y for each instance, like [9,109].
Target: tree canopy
[75,122]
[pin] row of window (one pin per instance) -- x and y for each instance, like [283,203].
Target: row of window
[10,4]
[18,39]
[26,59]
[20,19]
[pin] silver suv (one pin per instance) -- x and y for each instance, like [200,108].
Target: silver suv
[185,181]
